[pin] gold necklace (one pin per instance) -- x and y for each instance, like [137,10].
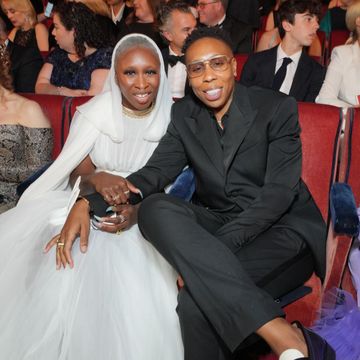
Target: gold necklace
[138,114]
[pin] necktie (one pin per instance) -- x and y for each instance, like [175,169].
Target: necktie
[280,74]
[173,59]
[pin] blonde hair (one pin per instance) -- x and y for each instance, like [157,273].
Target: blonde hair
[352,13]
[99,7]
[25,7]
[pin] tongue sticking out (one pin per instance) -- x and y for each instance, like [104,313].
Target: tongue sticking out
[212,95]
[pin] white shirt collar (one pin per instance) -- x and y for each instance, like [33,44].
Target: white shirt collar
[281,54]
[119,16]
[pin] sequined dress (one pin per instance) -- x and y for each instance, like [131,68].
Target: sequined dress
[23,150]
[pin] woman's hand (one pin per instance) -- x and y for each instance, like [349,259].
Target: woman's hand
[126,216]
[114,189]
[64,91]
[77,223]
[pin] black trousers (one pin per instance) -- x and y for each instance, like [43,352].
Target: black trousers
[220,304]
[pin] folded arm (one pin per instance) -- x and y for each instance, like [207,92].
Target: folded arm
[281,180]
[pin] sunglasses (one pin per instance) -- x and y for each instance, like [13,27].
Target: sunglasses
[218,63]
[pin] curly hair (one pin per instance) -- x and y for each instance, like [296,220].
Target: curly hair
[213,32]
[6,80]
[87,30]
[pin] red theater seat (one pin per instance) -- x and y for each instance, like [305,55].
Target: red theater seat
[320,129]
[240,61]
[59,110]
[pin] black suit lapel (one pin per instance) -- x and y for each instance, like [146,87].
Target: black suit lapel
[206,134]
[243,116]
[165,54]
[302,73]
[268,66]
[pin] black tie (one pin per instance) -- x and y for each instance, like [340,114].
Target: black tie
[173,59]
[280,74]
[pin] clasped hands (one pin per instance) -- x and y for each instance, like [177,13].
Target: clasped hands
[115,191]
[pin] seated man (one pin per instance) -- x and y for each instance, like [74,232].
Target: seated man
[214,13]
[251,212]
[287,67]
[176,21]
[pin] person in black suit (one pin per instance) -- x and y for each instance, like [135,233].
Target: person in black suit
[287,67]
[214,13]
[251,213]
[247,11]
[175,21]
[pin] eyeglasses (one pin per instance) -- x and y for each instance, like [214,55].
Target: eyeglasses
[202,5]
[217,63]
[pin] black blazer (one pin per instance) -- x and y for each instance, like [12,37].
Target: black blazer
[247,11]
[240,34]
[256,174]
[26,63]
[259,70]
[165,55]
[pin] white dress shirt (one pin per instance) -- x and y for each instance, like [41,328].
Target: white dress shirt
[177,78]
[290,70]
[118,17]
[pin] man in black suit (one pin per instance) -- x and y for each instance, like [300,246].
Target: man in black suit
[287,67]
[213,13]
[250,216]
[175,21]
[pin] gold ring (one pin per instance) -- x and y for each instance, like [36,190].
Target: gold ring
[116,197]
[59,244]
[118,232]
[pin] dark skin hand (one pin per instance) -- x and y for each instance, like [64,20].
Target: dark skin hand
[115,191]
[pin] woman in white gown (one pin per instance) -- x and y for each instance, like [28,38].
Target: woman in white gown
[118,301]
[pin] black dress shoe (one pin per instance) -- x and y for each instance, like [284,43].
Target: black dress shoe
[318,348]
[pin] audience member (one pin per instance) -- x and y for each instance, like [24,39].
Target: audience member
[342,82]
[271,37]
[119,300]
[143,21]
[103,15]
[334,18]
[27,31]
[119,12]
[287,67]
[213,13]
[26,137]
[251,214]
[80,65]
[176,21]
[25,62]
[248,11]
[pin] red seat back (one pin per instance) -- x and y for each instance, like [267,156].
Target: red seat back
[320,128]
[240,61]
[337,37]
[59,110]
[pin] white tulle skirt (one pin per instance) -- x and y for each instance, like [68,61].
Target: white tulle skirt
[118,303]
